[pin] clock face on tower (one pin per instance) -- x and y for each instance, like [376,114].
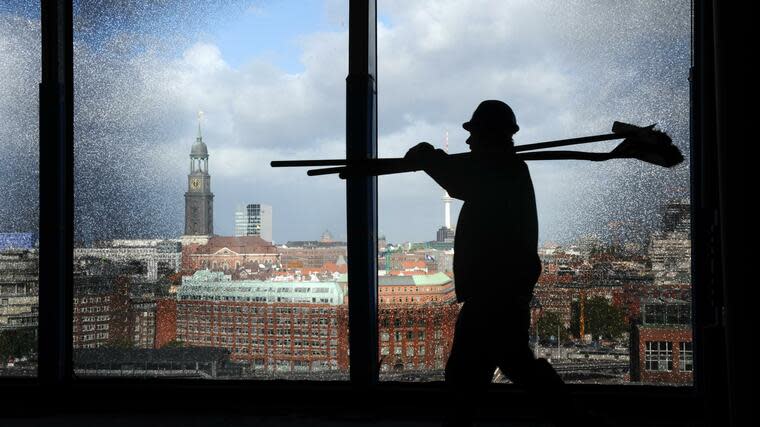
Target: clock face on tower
[195,183]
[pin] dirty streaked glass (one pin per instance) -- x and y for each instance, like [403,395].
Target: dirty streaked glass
[19,209]
[614,237]
[193,257]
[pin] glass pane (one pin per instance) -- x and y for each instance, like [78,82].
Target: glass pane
[613,236]
[194,258]
[19,209]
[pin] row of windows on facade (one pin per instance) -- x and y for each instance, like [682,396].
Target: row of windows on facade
[22,321]
[182,318]
[92,300]
[98,327]
[410,351]
[91,337]
[667,314]
[246,350]
[252,310]
[659,356]
[281,347]
[271,289]
[313,300]
[410,299]
[89,319]
[278,332]
[270,342]
[287,365]
[409,322]
[18,290]
[94,309]
[394,289]
[397,335]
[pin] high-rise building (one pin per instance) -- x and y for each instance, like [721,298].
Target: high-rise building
[19,289]
[254,219]
[445,235]
[199,200]
[670,249]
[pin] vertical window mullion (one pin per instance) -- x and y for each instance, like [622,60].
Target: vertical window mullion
[361,192]
[56,193]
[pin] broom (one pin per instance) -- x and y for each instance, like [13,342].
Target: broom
[642,143]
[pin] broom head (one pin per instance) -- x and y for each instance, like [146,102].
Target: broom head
[646,144]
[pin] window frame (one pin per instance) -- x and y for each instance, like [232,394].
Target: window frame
[55,372]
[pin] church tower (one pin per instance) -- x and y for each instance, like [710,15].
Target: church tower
[199,200]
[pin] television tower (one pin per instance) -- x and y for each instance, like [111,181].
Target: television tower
[446,198]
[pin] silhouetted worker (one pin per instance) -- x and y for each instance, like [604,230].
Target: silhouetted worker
[496,263]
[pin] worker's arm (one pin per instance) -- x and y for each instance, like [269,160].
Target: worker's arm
[453,173]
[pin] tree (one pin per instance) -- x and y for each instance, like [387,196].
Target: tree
[602,319]
[548,324]
[17,343]
[174,344]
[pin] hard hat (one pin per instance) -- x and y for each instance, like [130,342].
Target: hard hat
[493,116]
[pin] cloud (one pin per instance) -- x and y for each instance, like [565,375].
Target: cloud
[568,69]
[19,135]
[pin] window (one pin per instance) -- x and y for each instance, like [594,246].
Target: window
[172,74]
[659,356]
[610,229]
[685,357]
[19,207]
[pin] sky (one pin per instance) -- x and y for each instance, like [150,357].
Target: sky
[270,79]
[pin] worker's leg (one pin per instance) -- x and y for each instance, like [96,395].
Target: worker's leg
[470,367]
[540,379]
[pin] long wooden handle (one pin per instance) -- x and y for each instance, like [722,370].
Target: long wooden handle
[400,165]
[518,149]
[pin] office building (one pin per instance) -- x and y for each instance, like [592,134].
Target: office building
[254,219]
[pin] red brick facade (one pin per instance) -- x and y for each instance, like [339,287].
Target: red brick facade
[229,253]
[166,321]
[662,361]
[102,312]
[281,337]
[416,337]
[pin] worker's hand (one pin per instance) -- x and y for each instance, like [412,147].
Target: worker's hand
[420,152]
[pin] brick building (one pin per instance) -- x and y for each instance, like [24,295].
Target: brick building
[567,278]
[228,254]
[416,316]
[634,294]
[143,320]
[166,322]
[302,326]
[101,312]
[275,327]
[113,308]
[408,263]
[661,346]
[310,255]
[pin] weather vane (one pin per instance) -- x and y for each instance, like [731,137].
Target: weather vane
[200,117]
